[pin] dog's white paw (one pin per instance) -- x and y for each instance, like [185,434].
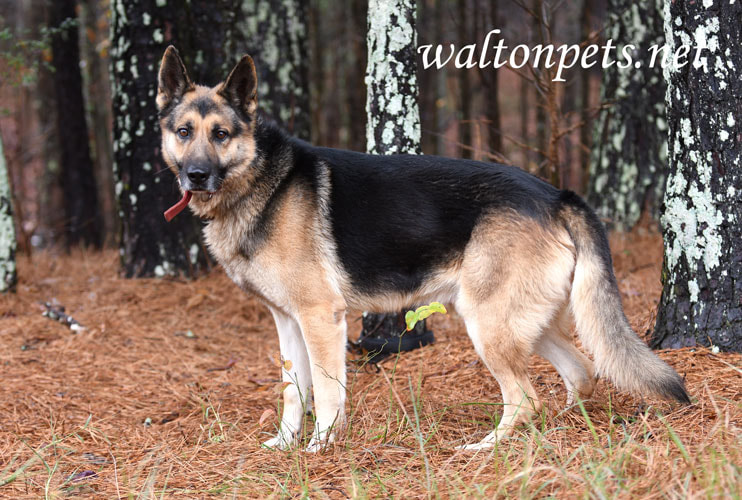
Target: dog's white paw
[315,446]
[279,442]
[320,441]
[489,441]
[482,445]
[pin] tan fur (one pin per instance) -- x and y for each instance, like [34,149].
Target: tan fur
[515,273]
[604,330]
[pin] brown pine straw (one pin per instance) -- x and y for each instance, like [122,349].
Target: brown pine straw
[145,409]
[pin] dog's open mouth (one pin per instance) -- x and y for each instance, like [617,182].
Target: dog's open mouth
[171,212]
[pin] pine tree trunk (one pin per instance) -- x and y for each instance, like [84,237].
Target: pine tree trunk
[523,100]
[441,77]
[83,221]
[628,167]
[493,92]
[539,102]
[140,32]
[391,78]
[702,217]
[391,104]
[465,119]
[585,98]
[485,19]
[275,34]
[7,230]
[354,78]
[98,87]
[317,75]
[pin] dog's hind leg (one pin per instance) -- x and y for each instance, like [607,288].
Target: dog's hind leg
[324,329]
[506,352]
[296,374]
[556,345]
[514,279]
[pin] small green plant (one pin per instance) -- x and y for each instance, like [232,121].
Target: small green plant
[422,312]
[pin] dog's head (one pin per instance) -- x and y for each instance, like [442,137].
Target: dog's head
[207,133]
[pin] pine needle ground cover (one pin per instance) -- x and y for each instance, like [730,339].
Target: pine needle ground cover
[171,386]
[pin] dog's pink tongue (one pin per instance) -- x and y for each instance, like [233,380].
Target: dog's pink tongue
[171,212]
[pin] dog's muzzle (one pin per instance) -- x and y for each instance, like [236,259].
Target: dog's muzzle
[199,176]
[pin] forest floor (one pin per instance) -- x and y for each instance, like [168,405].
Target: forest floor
[172,386]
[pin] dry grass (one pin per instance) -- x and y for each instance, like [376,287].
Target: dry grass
[136,407]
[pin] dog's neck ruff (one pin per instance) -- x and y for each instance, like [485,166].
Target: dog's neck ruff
[171,212]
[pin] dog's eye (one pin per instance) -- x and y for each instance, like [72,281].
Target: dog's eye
[183,132]
[222,134]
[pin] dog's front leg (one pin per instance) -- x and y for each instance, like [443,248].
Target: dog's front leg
[324,331]
[297,377]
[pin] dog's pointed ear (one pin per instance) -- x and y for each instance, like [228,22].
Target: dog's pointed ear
[241,87]
[172,81]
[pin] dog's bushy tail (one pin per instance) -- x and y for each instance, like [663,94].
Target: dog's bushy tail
[619,353]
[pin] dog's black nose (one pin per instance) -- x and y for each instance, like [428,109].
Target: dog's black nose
[198,175]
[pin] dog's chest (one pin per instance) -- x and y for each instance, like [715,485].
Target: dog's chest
[254,273]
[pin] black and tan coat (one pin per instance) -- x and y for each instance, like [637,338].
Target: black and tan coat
[315,232]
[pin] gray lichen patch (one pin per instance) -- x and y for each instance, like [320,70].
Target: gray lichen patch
[276,33]
[628,166]
[391,104]
[7,229]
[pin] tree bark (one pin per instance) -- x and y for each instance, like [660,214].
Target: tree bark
[8,275]
[702,217]
[628,168]
[493,91]
[440,78]
[523,99]
[354,80]
[585,99]
[539,102]
[83,222]
[98,87]
[391,78]
[465,120]
[140,31]
[485,19]
[317,75]
[275,34]
[393,114]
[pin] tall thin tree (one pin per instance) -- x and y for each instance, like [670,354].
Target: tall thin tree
[585,98]
[356,33]
[7,229]
[83,222]
[492,87]
[702,217]
[393,117]
[465,94]
[628,169]
[276,35]
[93,14]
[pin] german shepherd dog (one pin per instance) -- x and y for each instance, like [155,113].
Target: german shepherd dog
[315,232]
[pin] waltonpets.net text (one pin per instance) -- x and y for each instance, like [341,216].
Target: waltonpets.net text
[562,56]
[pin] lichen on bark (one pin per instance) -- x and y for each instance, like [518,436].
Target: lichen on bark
[274,32]
[7,230]
[702,272]
[391,79]
[628,167]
